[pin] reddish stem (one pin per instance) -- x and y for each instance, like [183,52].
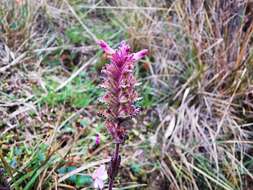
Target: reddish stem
[114,166]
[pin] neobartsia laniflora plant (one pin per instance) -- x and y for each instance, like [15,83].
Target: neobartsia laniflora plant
[120,96]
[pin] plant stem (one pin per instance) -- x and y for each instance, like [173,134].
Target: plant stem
[115,162]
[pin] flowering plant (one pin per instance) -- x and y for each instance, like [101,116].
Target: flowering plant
[99,176]
[119,83]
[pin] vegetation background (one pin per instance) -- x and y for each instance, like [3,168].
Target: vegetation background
[195,128]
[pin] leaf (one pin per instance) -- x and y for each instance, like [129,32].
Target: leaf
[41,156]
[136,168]
[62,170]
[83,180]
[78,180]
[186,92]
[84,122]
[170,128]
[75,34]
[73,177]
[81,100]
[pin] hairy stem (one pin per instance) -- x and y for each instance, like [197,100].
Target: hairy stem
[114,166]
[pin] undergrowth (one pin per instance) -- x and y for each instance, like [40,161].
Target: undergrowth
[195,126]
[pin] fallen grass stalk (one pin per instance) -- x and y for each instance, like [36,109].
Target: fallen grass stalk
[75,74]
[14,62]
[125,8]
[81,22]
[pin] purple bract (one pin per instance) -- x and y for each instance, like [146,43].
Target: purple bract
[119,82]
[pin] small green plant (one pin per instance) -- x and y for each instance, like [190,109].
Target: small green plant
[78,94]
[148,99]
[75,34]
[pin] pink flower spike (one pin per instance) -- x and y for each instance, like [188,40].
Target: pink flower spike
[107,49]
[99,176]
[119,85]
[140,54]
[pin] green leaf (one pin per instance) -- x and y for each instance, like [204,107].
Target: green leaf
[84,122]
[136,168]
[62,170]
[41,156]
[83,180]
[13,26]
[81,100]
[72,178]
[75,34]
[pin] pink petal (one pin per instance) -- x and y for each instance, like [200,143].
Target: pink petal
[97,139]
[99,172]
[98,184]
[140,54]
[20,2]
[103,175]
[124,47]
[95,183]
[107,49]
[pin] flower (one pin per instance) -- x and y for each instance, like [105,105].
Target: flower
[19,2]
[119,83]
[99,176]
[97,140]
